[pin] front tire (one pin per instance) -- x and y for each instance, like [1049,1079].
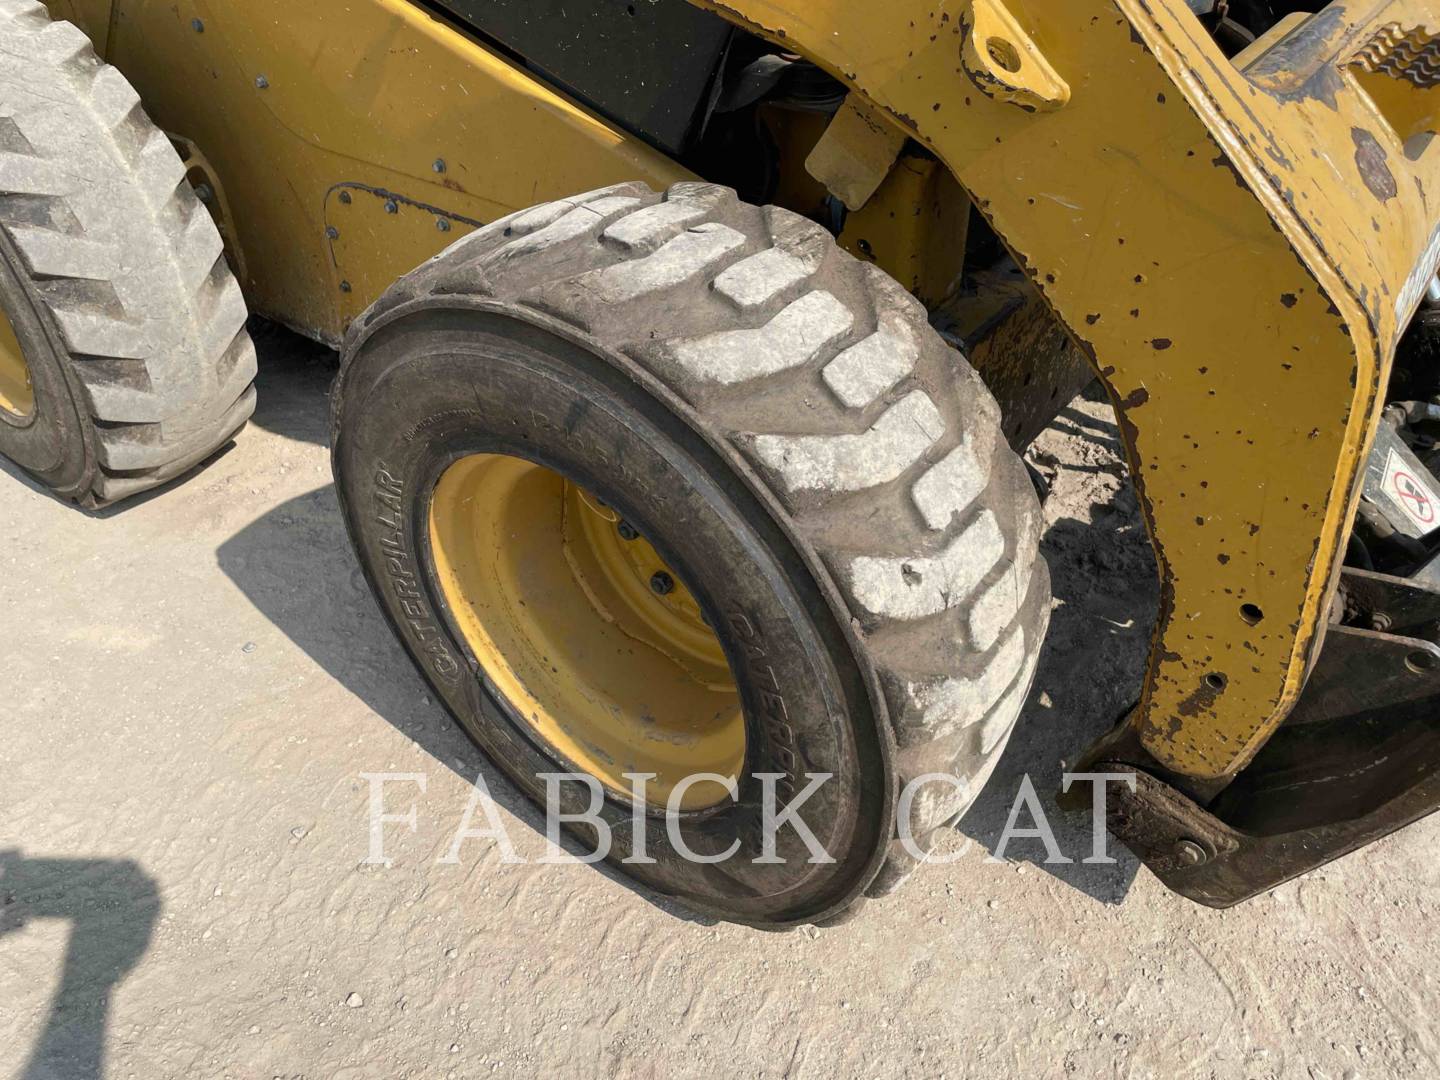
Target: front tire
[811,463]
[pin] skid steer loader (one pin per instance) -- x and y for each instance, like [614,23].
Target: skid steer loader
[689,348]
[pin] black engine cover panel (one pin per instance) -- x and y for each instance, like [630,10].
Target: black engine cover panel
[648,65]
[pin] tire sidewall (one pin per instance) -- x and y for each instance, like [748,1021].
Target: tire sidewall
[52,443]
[428,389]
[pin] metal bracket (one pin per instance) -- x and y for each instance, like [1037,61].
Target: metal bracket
[856,152]
[1004,63]
[211,193]
[1359,757]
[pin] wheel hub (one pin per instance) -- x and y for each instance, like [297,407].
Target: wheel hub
[579,624]
[17,397]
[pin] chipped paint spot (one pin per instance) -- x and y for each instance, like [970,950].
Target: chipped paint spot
[1370,159]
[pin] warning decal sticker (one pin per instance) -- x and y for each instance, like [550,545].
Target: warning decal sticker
[1411,494]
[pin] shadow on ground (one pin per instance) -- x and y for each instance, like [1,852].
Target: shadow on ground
[112,906]
[1102,575]
[295,564]
[293,387]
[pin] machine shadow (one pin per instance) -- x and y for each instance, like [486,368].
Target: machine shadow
[1103,579]
[296,566]
[293,385]
[112,906]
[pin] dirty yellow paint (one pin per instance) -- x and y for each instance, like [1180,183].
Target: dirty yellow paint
[856,152]
[1004,61]
[1237,252]
[560,611]
[292,101]
[913,228]
[17,394]
[211,192]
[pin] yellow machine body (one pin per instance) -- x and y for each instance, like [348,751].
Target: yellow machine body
[1235,245]
[1238,252]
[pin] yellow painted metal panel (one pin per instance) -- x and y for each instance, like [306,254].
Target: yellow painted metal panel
[1238,256]
[913,228]
[856,153]
[291,100]
[17,395]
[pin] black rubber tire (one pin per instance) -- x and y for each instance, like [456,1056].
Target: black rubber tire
[112,273]
[895,578]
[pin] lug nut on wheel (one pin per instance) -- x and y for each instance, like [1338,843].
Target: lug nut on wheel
[661,582]
[626,531]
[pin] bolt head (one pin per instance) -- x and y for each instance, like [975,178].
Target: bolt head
[1191,853]
[332,232]
[662,583]
[261,82]
[626,530]
[439,165]
[345,197]
[442,224]
[391,206]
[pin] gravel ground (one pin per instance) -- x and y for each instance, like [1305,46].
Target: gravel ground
[197,680]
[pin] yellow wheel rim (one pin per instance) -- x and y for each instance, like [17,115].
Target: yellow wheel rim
[16,395]
[591,638]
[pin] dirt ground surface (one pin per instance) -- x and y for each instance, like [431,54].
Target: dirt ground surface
[196,682]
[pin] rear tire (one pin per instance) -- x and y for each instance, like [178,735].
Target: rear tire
[111,275]
[779,420]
